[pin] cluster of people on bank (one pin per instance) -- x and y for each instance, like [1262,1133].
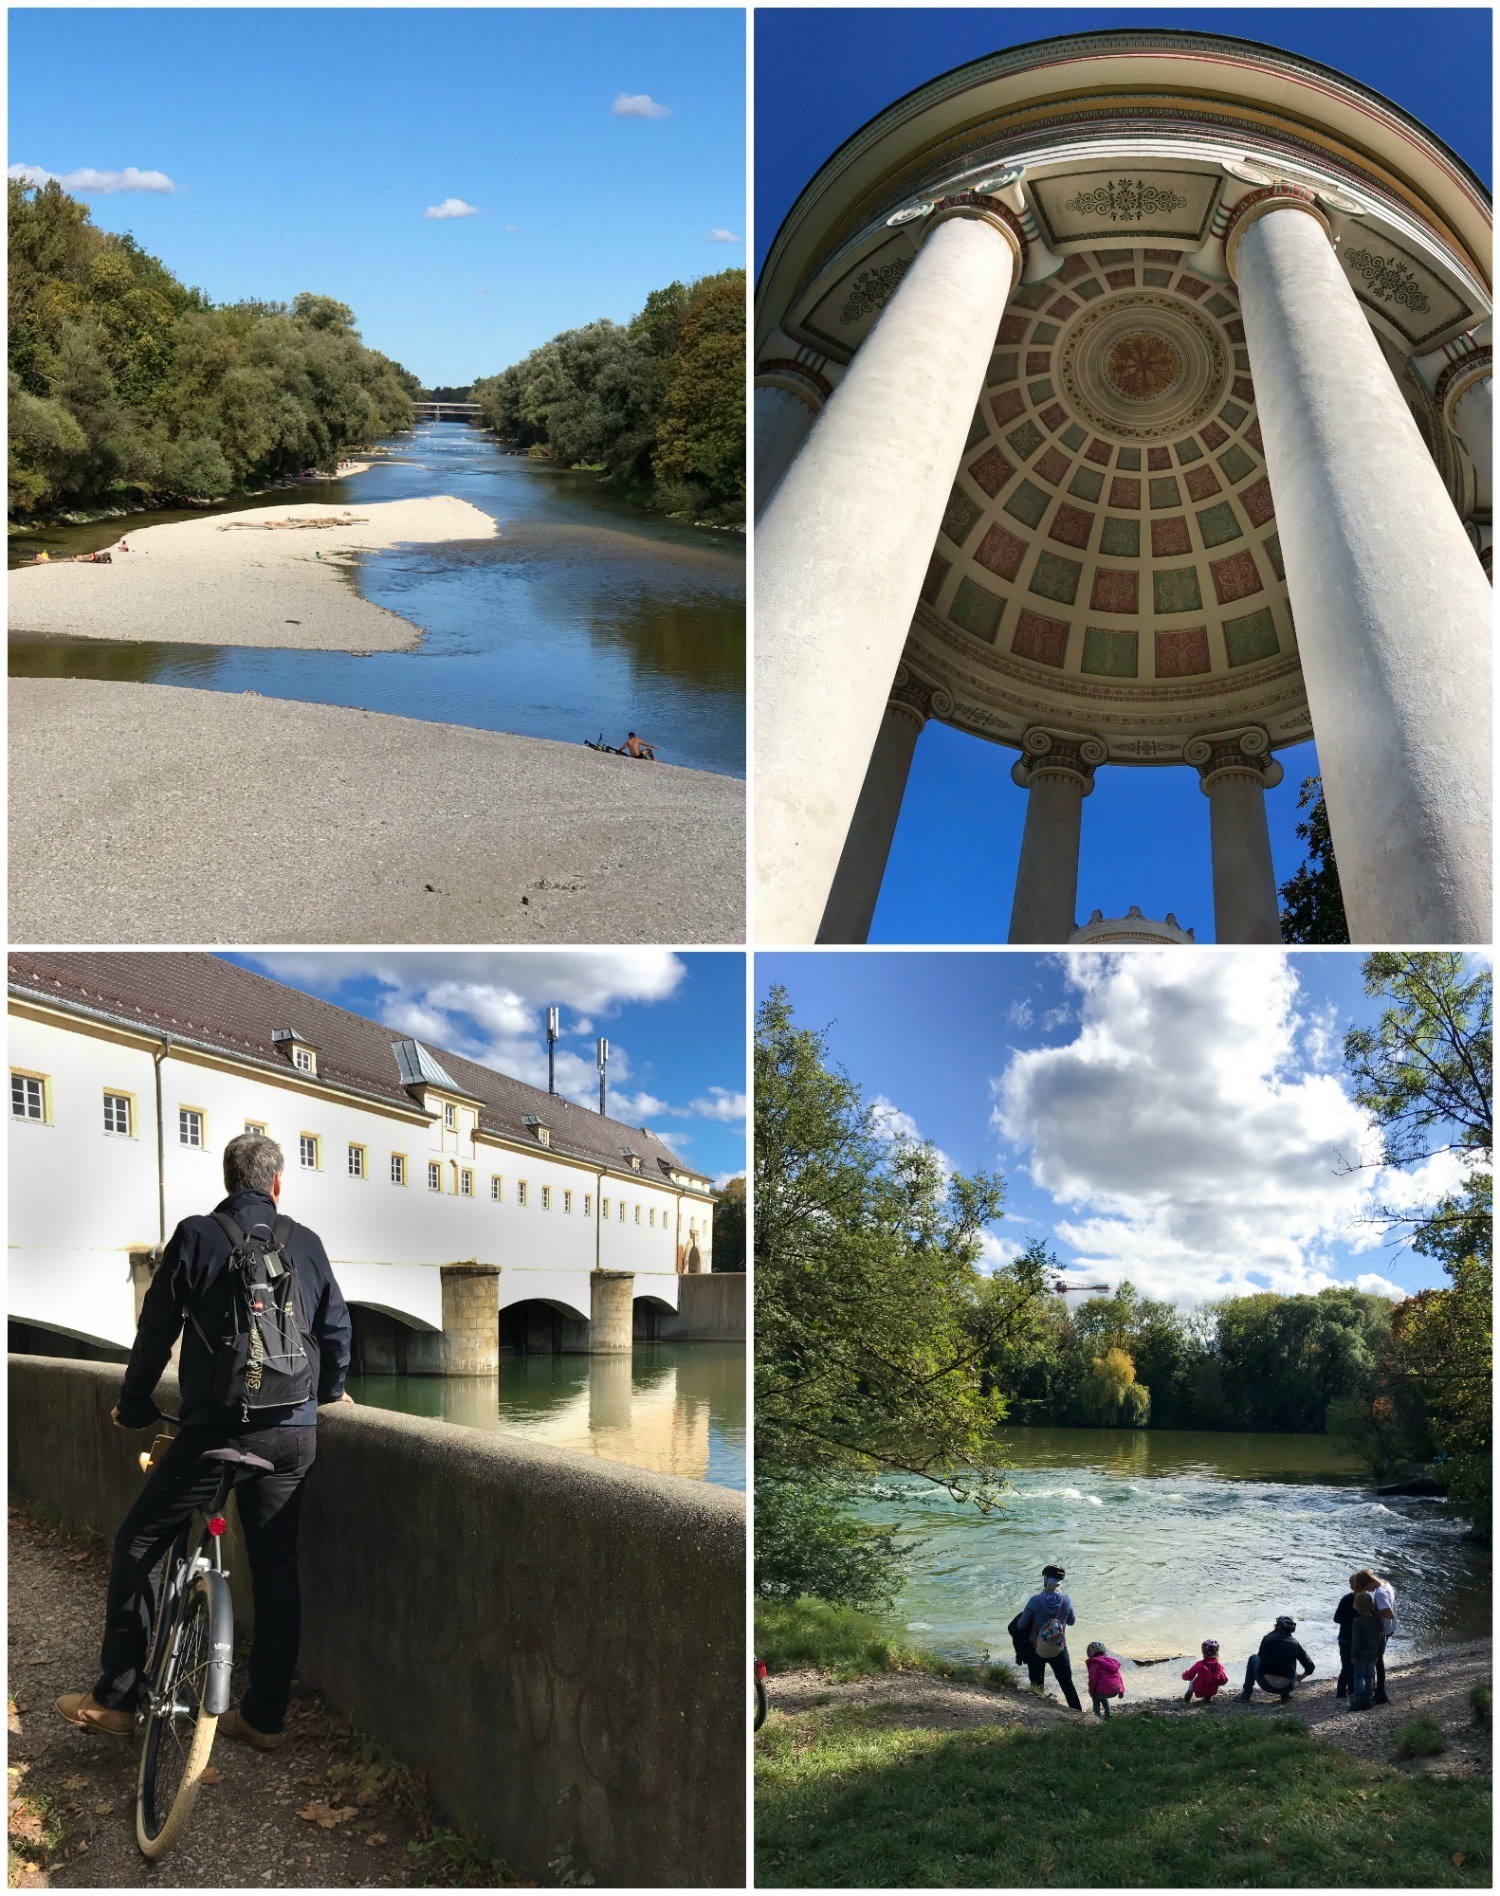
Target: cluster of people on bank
[1365,1618]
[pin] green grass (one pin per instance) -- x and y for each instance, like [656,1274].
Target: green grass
[790,1634]
[846,1800]
[1419,1738]
[1482,1698]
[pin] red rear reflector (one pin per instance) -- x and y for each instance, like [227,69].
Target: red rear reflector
[217,1524]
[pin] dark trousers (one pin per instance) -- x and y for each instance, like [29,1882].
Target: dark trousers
[1100,1705]
[1253,1678]
[1346,1666]
[1063,1671]
[270,1507]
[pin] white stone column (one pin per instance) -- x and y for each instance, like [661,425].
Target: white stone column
[843,546]
[867,848]
[1392,608]
[788,399]
[1057,773]
[1235,770]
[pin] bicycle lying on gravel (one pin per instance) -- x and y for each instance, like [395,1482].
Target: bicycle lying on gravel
[189,1661]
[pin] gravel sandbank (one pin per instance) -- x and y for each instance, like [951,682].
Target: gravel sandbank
[155,813]
[238,579]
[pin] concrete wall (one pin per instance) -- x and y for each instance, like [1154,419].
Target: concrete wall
[709,1310]
[556,1641]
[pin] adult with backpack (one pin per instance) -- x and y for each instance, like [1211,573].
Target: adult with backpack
[265,1339]
[1043,1622]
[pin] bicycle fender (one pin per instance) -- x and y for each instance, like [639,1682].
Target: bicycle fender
[215,1589]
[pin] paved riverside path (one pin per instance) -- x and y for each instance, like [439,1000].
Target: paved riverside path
[157,813]
[245,1831]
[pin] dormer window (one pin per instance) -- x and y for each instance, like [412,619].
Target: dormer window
[543,1132]
[302,1053]
[632,1158]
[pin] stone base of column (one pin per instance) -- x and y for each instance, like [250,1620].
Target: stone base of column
[471,1321]
[611,1313]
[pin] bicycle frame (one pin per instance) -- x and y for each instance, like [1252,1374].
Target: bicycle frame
[184,1562]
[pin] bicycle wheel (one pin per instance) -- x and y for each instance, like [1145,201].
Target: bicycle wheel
[179,1734]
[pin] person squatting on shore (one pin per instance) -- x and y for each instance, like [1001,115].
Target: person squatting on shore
[1274,1666]
[1205,1675]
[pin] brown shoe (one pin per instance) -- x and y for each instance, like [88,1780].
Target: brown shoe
[233,1725]
[85,1711]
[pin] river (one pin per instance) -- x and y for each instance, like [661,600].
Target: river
[677,1408]
[587,614]
[1171,1537]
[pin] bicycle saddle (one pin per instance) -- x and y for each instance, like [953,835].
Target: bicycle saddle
[237,1458]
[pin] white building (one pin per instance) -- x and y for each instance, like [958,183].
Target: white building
[459,1207]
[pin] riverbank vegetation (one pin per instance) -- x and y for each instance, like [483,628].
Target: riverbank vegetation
[845,1798]
[657,404]
[129,388]
[848,1644]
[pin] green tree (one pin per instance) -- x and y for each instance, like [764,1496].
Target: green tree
[1425,1073]
[871,1316]
[1312,902]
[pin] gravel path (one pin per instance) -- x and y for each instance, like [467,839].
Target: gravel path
[312,1815]
[1437,1687]
[154,813]
[242,579]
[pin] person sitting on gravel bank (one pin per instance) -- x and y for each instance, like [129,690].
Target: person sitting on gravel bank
[1205,1675]
[1366,1649]
[1043,1622]
[1274,1667]
[197,1294]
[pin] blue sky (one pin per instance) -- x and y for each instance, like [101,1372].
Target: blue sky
[821,73]
[305,144]
[1178,1118]
[675,1024]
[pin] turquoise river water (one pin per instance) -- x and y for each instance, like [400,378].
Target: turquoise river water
[1170,1538]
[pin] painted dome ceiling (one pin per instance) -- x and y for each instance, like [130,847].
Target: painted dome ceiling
[1108,560]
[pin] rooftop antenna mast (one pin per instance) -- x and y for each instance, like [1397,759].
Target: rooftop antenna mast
[552,1026]
[603,1063]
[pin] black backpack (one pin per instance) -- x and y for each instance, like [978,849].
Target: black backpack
[264,1360]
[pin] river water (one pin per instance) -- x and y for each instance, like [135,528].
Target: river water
[1170,1538]
[587,614]
[677,1408]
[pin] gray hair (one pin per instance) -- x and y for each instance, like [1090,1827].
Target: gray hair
[252,1162]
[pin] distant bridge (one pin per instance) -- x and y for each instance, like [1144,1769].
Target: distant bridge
[439,411]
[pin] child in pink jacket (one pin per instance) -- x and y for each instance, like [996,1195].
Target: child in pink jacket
[1206,1675]
[1105,1681]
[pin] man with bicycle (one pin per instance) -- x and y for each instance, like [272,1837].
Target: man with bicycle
[199,1293]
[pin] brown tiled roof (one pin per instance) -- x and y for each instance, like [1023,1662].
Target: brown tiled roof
[235,1011]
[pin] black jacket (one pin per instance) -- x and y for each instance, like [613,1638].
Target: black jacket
[193,1277]
[1281,1654]
[1366,1639]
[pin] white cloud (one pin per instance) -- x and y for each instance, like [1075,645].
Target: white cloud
[997,1250]
[1379,1286]
[512,229]
[491,1008]
[722,1104]
[1020,1014]
[639,105]
[888,1122]
[1186,1126]
[95,183]
[717,236]
[452,207]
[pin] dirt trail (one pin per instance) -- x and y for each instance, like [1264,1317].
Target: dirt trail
[1437,1688]
[323,1812]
